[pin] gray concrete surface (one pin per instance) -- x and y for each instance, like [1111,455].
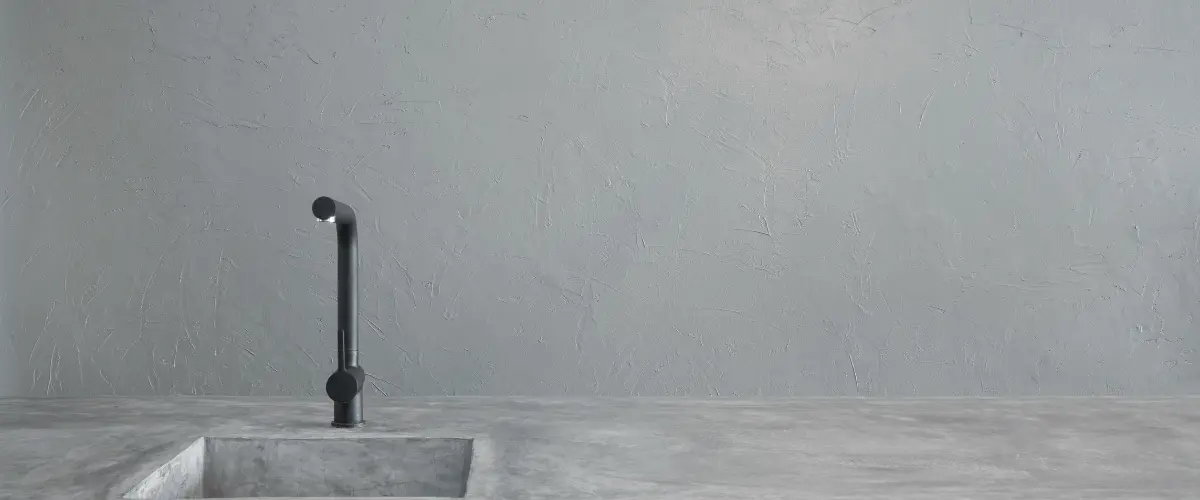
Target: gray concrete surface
[581,197]
[635,448]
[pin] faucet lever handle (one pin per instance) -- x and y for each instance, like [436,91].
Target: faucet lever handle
[341,349]
[345,383]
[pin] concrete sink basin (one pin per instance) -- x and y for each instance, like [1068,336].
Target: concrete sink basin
[319,467]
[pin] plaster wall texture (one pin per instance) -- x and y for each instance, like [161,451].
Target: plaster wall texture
[702,198]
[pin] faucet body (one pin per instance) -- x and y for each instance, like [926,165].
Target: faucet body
[345,385]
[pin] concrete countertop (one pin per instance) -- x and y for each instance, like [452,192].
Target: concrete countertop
[827,448]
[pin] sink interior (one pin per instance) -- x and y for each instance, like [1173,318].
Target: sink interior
[218,467]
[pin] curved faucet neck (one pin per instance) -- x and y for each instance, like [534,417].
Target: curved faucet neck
[347,234]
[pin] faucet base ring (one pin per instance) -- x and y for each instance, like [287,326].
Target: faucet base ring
[350,425]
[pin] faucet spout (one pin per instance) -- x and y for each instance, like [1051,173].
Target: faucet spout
[345,386]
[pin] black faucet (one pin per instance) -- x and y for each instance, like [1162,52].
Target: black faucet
[345,386]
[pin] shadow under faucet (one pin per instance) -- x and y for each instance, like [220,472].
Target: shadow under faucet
[345,386]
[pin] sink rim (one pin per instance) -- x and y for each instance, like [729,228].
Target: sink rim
[481,475]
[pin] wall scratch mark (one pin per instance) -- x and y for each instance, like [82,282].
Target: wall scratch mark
[26,108]
[375,327]
[924,108]
[45,326]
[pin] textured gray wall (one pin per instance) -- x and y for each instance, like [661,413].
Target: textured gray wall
[717,197]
